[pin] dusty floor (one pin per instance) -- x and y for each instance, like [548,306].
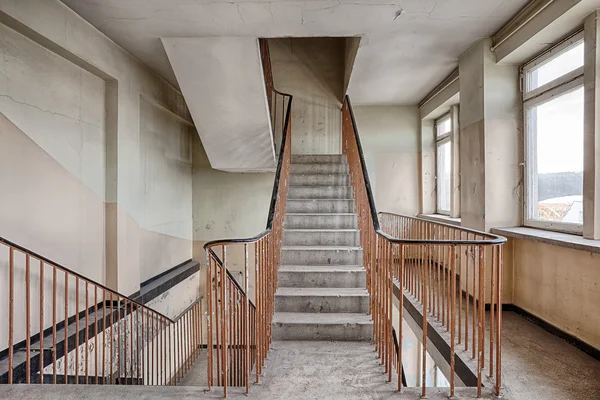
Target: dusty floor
[536,366]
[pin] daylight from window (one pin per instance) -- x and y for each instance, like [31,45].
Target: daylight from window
[556,144]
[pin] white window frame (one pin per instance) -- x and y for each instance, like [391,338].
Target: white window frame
[562,85]
[441,140]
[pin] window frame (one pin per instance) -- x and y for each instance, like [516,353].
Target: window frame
[562,85]
[439,141]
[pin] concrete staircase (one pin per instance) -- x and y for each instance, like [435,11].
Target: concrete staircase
[322,284]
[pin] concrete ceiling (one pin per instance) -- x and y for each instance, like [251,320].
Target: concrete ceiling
[407,46]
[228,103]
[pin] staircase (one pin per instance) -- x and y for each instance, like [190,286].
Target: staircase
[321,292]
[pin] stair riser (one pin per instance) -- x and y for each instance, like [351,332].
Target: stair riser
[320,192]
[329,332]
[318,158]
[322,304]
[354,279]
[320,206]
[320,238]
[322,257]
[320,180]
[319,169]
[320,222]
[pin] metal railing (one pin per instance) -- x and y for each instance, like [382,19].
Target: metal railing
[83,332]
[453,273]
[239,327]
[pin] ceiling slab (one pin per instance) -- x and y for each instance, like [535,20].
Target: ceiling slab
[407,46]
[225,93]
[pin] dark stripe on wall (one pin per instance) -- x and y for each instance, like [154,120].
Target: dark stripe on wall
[460,368]
[154,287]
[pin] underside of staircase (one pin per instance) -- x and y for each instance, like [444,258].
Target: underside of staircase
[322,284]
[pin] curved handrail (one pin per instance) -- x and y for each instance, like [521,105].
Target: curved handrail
[493,239]
[78,275]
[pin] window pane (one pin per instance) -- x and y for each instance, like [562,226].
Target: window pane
[443,126]
[443,177]
[555,67]
[556,176]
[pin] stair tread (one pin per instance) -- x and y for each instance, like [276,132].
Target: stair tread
[317,248]
[325,267]
[307,230]
[322,318]
[320,214]
[329,292]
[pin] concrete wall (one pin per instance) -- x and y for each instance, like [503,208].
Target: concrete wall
[95,151]
[312,70]
[389,136]
[71,93]
[166,178]
[557,284]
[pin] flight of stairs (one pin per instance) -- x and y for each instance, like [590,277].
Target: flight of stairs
[322,284]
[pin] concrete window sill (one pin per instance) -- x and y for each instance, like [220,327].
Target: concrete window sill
[553,238]
[441,218]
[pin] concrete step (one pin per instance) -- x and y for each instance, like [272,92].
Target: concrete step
[327,327]
[320,206]
[321,255]
[322,300]
[320,221]
[311,276]
[318,158]
[320,180]
[321,237]
[320,192]
[321,168]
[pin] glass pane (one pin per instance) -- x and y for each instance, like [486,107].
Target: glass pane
[443,177]
[562,63]
[556,132]
[443,126]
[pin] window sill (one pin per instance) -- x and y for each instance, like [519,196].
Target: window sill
[441,218]
[553,238]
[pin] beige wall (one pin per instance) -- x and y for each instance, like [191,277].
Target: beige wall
[557,284]
[95,151]
[389,137]
[166,178]
[312,70]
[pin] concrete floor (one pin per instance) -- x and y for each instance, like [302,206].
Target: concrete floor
[536,366]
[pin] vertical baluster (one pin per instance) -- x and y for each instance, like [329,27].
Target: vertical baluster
[424,349]
[54,301]
[131,342]
[76,330]
[467,298]
[96,332]
[209,324]
[28,319]
[257,247]
[41,322]
[492,304]
[11,311]
[480,322]
[475,299]
[246,321]
[223,321]
[111,340]
[118,323]
[453,318]
[66,343]
[400,312]
[499,323]
[87,332]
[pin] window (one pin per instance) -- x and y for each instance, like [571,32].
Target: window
[443,138]
[553,110]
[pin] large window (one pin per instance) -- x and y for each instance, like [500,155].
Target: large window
[443,137]
[553,111]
